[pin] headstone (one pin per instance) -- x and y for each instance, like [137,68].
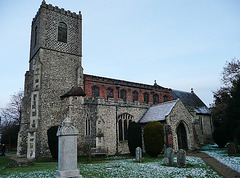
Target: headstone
[181,158]
[67,150]
[166,161]
[232,149]
[139,154]
[168,153]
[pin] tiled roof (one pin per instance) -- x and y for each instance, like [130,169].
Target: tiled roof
[191,101]
[158,112]
[77,91]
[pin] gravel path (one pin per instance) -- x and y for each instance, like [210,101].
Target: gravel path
[224,170]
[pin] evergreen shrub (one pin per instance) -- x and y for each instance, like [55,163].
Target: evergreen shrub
[134,137]
[53,141]
[153,136]
[220,136]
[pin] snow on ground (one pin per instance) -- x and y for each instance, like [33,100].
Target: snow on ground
[130,168]
[221,155]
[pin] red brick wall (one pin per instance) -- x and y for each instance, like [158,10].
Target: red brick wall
[104,83]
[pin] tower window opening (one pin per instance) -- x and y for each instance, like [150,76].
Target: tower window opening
[35,36]
[62,32]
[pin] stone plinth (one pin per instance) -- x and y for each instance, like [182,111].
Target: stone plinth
[67,150]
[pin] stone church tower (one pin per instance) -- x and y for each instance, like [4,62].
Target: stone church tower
[55,67]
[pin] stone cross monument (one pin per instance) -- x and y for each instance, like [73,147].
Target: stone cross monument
[67,150]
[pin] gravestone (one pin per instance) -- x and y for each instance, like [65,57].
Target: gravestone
[67,150]
[232,149]
[166,161]
[181,158]
[168,153]
[139,154]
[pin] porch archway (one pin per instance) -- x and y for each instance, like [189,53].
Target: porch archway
[182,137]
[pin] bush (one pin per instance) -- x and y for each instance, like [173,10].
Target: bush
[237,137]
[134,137]
[153,136]
[220,136]
[53,141]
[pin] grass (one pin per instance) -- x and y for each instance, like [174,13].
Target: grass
[4,161]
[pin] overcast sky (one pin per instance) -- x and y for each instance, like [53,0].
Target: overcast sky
[182,44]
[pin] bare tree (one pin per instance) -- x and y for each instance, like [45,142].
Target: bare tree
[12,112]
[11,118]
[231,72]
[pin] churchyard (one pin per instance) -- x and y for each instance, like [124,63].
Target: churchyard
[127,166]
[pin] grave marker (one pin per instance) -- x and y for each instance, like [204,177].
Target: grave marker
[168,153]
[67,150]
[181,158]
[139,154]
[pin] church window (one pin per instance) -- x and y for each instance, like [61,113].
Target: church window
[120,130]
[109,93]
[33,113]
[146,97]
[123,95]
[35,36]
[135,96]
[62,32]
[125,130]
[165,98]
[155,99]
[123,123]
[201,123]
[88,127]
[95,92]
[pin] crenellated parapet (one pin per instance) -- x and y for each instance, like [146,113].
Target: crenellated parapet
[119,102]
[57,9]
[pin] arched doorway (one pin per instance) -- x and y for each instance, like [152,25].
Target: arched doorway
[182,137]
[53,141]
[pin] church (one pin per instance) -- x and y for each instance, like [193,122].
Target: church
[101,108]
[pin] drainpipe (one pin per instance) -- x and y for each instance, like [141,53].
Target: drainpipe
[116,130]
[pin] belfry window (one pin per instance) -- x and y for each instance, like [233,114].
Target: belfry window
[135,96]
[35,36]
[109,93]
[123,123]
[62,32]
[155,99]
[95,92]
[123,95]
[146,97]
